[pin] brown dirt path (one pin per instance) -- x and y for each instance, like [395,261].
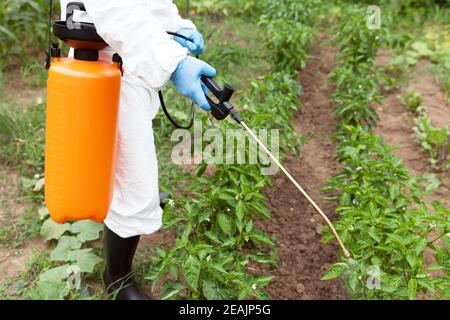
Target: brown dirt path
[302,258]
[396,125]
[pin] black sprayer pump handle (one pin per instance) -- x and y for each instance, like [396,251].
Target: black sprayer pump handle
[222,108]
[72,6]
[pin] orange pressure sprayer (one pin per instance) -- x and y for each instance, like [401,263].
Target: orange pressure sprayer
[81,124]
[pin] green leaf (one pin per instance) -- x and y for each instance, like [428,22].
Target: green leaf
[374,235]
[421,48]
[412,288]
[200,170]
[394,191]
[240,216]
[171,289]
[87,230]
[50,290]
[263,281]
[335,271]
[52,284]
[184,239]
[249,226]
[262,237]
[229,242]
[212,236]
[421,246]
[225,223]
[191,271]
[210,290]
[51,230]
[8,33]
[85,259]
[434,266]
[412,259]
[243,294]
[353,280]
[43,213]
[27,183]
[55,274]
[65,245]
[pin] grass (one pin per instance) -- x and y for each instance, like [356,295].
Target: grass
[16,232]
[22,137]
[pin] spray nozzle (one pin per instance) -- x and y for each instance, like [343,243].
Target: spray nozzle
[222,108]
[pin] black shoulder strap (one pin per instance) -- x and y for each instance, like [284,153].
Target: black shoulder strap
[50,16]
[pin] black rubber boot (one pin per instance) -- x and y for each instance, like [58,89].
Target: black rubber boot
[118,276]
[162,199]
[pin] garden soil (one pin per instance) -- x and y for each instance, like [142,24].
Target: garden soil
[303,259]
[396,125]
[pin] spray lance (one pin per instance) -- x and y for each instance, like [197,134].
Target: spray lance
[223,108]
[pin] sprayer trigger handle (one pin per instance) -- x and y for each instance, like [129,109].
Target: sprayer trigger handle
[213,86]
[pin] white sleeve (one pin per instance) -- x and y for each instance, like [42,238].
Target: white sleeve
[134,32]
[167,12]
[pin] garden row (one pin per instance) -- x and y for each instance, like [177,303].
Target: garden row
[216,238]
[383,220]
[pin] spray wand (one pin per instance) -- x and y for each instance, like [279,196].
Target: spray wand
[223,108]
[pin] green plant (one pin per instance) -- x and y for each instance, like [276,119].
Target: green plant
[385,224]
[217,235]
[22,137]
[442,71]
[68,261]
[412,100]
[20,230]
[22,24]
[33,74]
[222,7]
[289,40]
[358,44]
[436,141]
[357,89]
[289,32]
[305,11]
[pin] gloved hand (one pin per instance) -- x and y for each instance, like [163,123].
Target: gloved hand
[196,46]
[187,80]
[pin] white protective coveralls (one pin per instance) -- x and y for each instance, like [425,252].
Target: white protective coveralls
[136,30]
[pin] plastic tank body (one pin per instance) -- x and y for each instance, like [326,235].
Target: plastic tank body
[81,138]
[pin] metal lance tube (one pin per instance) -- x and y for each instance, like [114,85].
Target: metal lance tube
[311,201]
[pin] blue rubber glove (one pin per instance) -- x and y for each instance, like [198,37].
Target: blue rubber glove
[187,80]
[196,46]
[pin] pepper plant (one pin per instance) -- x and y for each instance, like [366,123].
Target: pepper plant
[383,220]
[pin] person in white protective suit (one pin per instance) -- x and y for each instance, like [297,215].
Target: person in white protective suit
[136,30]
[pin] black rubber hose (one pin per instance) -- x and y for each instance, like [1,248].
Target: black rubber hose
[163,104]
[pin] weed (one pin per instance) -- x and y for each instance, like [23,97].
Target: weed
[412,100]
